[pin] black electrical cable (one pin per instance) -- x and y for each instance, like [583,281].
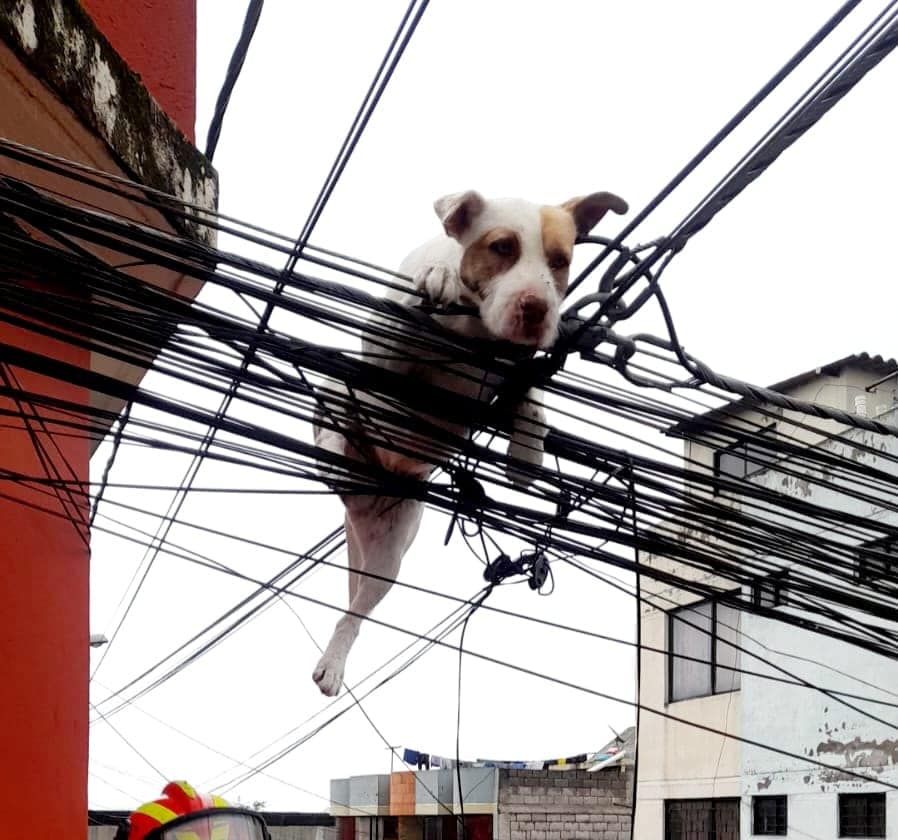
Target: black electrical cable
[235,65]
[659,498]
[785,71]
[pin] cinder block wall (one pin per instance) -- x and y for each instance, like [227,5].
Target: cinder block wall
[565,805]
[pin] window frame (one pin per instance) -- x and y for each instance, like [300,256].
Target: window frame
[777,799]
[714,803]
[770,590]
[752,468]
[869,571]
[673,657]
[866,798]
[712,663]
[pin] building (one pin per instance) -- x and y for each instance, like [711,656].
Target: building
[109,85]
[570,801]
[694,785]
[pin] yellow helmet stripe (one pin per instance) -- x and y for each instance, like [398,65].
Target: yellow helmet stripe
[158,812]
[187,788]
[218,802]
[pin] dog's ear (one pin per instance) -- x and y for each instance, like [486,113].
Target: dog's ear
[589,209]
[458,211]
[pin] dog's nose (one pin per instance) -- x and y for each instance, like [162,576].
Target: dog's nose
[533,310]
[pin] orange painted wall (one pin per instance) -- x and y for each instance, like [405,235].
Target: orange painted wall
[44,557]
[158,40]
[44,634]
[402,793]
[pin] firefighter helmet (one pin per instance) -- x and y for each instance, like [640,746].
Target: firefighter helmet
[181,813]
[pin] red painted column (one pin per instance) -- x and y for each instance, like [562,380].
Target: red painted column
[44,633]
[157,38]
[44,549]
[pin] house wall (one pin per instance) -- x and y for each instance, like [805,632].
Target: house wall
[807,722]
[278,832]
[564,805]
[44,627]
[677,761]
[508,804]
[44,548]
[157,38]
[834,391]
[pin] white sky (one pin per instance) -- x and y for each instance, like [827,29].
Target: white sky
[543,101]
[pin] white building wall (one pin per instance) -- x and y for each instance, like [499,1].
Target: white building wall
[677,761]
[804,721]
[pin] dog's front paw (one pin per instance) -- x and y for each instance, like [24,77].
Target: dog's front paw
[328,675]
[440,282]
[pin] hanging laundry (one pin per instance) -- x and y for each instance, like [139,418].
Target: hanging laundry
[436,762]
[423,761]
[410,757]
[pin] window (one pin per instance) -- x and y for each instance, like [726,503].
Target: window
[769,815]
[877,561]
[770,591]
[744,459]
[701,819]
[703,660]
[862,815]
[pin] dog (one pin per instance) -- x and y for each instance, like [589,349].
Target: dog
[510,259]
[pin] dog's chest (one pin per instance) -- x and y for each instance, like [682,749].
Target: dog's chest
[413,439]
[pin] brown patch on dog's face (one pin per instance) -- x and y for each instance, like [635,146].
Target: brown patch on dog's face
[559,233]
[491,255]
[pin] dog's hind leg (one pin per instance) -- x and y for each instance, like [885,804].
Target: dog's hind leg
[379,531]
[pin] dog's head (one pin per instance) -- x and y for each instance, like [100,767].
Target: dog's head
[517,255]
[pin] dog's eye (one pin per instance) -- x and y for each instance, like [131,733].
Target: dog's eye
[558,261]
[503,247]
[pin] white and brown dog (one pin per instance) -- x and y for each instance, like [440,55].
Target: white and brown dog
[510,259]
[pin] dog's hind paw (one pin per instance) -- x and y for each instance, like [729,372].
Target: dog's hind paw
[328,675]
[440,282]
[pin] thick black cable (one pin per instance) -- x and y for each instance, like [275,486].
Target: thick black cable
[116,443]
[544,622]
[816,39]
[461,645]
[235,65]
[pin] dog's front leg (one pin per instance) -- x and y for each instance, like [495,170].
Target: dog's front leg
[379,531]
[527,438]
[434,269]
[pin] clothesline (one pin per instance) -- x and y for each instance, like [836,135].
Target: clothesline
[429,761]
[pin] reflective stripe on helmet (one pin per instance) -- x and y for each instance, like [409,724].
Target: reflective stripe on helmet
[157,812]
[218,802]
[187,788]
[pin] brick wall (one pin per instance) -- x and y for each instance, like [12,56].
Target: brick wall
[564,805]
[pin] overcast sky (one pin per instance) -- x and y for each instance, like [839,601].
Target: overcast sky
[543,101]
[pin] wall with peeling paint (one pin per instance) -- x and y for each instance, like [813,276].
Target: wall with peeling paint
[807,722]
[838,391]
[677,761]
[158,40]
